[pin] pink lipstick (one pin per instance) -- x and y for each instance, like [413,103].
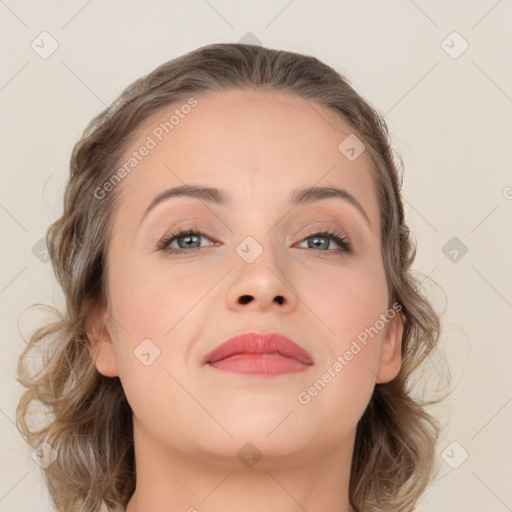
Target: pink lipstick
[259,354]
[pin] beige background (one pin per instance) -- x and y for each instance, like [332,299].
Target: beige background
[450,117]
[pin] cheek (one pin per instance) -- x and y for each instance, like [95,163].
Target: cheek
[345,376]
[348,305]
[151,306]
[151,298]
[158,303]
[345,300]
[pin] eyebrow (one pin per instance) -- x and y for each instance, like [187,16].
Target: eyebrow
[219,196]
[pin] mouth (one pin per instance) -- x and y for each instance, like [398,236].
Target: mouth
[259,354]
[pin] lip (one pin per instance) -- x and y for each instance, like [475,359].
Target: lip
[259,353]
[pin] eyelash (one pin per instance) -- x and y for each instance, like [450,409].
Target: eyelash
[163,245]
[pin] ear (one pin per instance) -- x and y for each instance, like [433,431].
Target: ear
[100,342]
[390,358]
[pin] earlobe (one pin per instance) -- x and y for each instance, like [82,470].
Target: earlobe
[390,358]
[101,347]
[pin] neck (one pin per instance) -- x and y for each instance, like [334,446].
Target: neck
[316,480]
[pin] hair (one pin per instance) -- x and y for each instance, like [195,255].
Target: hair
[90,425]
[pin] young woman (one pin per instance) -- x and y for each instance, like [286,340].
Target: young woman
[242,322]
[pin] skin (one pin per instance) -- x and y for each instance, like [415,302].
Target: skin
[191,420]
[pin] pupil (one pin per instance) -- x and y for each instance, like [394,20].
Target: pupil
[188,239]
[323,244]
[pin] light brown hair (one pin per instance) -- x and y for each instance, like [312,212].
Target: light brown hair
[90,424]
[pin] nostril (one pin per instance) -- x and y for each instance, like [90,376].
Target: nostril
[245,299]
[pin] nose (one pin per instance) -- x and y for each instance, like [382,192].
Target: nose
[262,285]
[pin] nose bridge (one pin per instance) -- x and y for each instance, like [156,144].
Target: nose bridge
[259,241]
[262,275]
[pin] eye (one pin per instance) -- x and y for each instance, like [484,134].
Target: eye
[188,239]
[323,240]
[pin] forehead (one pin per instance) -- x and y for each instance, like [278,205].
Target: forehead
[259,144]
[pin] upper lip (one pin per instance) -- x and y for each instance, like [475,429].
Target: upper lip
[258,343]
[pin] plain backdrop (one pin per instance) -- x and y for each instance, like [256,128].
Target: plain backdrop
[440,72]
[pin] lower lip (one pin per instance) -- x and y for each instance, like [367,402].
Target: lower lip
[257,364]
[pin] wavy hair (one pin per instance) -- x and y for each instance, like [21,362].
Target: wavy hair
[90,421]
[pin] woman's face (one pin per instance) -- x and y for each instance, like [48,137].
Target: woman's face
[254,265]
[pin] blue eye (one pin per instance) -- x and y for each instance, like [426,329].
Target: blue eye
[190,237]
[318,241]
[189,240]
